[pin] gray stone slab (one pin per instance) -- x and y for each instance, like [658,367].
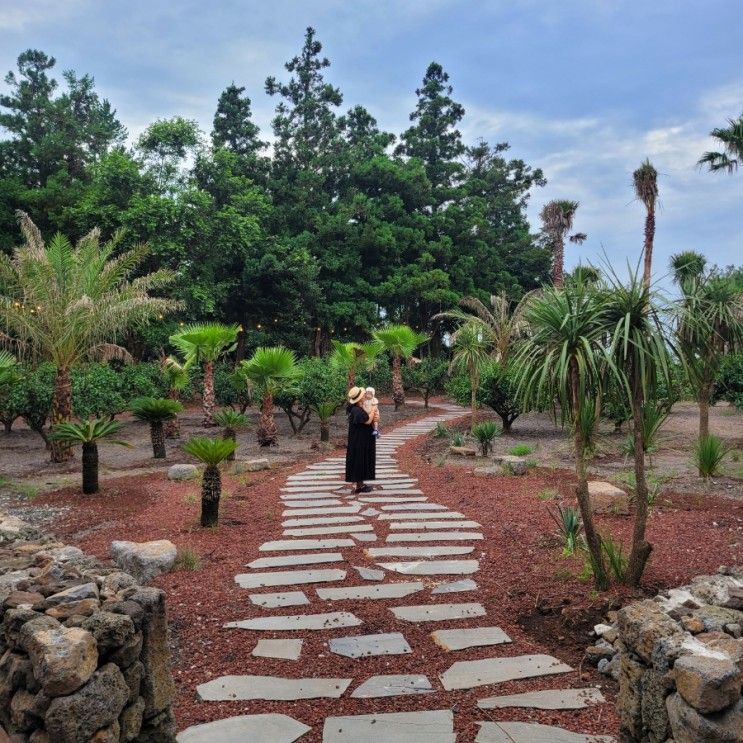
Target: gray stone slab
[434,525]
[390,490]
[370,512]
[322,521]
[271,688]
[328,621]
[433,567]
[391,499]
[319,502]
[473,637]
[288,578]
[414,507]
[306,490]
[467,674]
[392,686]
[423,551]
[546,699]
[363,646]
[533,732]
[280,649]
[286,545]
[321,511]
[418,515]
[369,573]
[274,600]
[394,727]
[435,536]
[365,537]
[317,531]
[438,612]
[265,728]
[281,561]
[456,586]
[379,591]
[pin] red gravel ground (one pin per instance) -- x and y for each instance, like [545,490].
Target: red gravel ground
[527,587]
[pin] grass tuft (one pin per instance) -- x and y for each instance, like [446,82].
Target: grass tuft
[188,559]
[521,450]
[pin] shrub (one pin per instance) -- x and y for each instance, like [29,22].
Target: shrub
[143,380]
[427,377]
[441,431]
[521,450]
[379,376]
[615,556]
[485,432]
[31,397]
[709,452]
[96,391]
[568,521]
[457,439]
[729,381]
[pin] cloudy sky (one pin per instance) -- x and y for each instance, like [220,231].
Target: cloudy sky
[585,89]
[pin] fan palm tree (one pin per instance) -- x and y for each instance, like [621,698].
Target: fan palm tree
[270,369]
[470,353]
[176,378]
[731,139]
[64,302]
[563,359]
[231,422]
[88,433]
[211,452]
[645,180]
[557,220]
[205,343]
[400,341]
[325,411]
[353,358]
[156,411]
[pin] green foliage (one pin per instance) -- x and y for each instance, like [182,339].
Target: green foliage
[457,439]
[142,380]
[398,340]
[87,431]
[231,419]
[155,410]
[209,451]
[272,369]
[205,342]
[441,431]
[729,381]
[31,397]
[324,410]
[188,559]
[615,557]
[485,432]
[568,521]
[379,376]
[521,450]
[709,451]
[427,377]
[96,391]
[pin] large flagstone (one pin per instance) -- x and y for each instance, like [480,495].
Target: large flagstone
[263,728]
[274,600]
[369,592]
[438,612]
[532,732]
[472,637]
[432,567]
[418,515]
[456,586]
[435,536]
[279,649]
[331,620]
[546,699]
[362,646]
[414,507]
[424,551]
[392,686]
[393,727]
[285,545]
[321,510]
[314,531]
[281,561]
[403,525]
[288,578]
[321,521]
[271,688]
[467,674]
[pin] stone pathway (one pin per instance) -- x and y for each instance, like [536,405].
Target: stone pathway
[326,532]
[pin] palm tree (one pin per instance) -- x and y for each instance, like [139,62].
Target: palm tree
[557,220]
[645,180]
[731,139]
[231,421]
[88,433]
[65,302]
[471,352]
[206,342]
[176,379]
[352,358]
[211,452]
[400,341]
[563,360]
[325,411]
[156,411]
[271,370]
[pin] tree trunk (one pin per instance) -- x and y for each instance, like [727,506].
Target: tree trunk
[211,490]
[705,393]
[426,395]
[231,435]
[351,377]
[157,435]
[506,420]
[61,412]
[324,430]
[8,424]
[242,338]
[208,401]
[648,247]
[473,399]
[559,260]
[398,391]
[90,467]
[267,425]
[173,426]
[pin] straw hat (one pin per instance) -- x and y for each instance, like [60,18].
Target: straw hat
[355,394]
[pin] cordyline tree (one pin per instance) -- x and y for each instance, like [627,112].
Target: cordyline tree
[66,303]
[645,181]
[557,221]
[400,341]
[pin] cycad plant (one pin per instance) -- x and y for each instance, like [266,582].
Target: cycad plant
[270,369]
[353,358]
[325,411]
[156,411]
[485,433]
[470,354]
[88,433]
[211,452]
[176,378]
[400,341]
[231,421]
[66,302]
[204,343]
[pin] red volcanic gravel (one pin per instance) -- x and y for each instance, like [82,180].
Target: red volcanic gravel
[527,588]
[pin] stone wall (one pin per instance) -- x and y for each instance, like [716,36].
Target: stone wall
[83,648]
[679,662]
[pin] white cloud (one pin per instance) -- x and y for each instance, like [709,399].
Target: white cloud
[18,16]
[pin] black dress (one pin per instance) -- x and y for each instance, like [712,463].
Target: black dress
[361,454]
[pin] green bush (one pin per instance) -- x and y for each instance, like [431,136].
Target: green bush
[428,377]
[709,452]
[521,450]
[31,397]
[485,432]
[729,381]
[96,391]
[380,377]
[143,380]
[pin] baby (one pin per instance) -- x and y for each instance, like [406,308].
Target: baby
[371,406]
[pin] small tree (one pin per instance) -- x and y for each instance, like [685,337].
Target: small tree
[88,433]
[10,376]
[325,411]
[156,411]
[231,421]
[211,452]
[400,341]
[470,356]
[485,433]
[176,379]
[427,377]
[353,358]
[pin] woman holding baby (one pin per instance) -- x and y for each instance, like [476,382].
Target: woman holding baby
[363,429]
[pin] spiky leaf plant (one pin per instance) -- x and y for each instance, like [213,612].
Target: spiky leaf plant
[568,521]
[485,433]
[231,421]
[709,451]
[325,411]
[156,411]
[211,452]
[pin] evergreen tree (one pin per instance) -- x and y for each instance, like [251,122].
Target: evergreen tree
[233,127]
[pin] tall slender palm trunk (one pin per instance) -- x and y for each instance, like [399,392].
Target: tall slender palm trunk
[207,402]
[173,426]
[90,467]
[398,391]
[559,261]
[351,378]
[267,425]
[211,491]
[648,246]
[61,413]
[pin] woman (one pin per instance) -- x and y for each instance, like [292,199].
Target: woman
[361,450]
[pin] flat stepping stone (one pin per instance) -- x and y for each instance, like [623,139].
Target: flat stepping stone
[473,637]
[533,732]
[426,551]
[288,578]
[422,515]
[266,728]
[363,646]
[434,525]
[370,512]
[414,507]
[274,600]
[546,699]
[392,686]
[270,688]
[280,649]
[281,561]
[400,491]
[369,573]
[285,545]
[312,503]
[317,531]
[432,567]
[379,591]
[456,586]
[325,511]
[435,536]
[467,674]
[365,537]
[390,499]
[395,727]
[322,520]
[438,612]
[331,620]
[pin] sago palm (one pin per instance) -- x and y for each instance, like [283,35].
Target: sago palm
[65,302]
[353,358]
[469,355]
[645,181]
[156,411]
[211,452]
[88,433]
[176,379]
[231,421]
[325,411]
[731,157]
[400,341]
[557,220]
[270,369]
[204,343]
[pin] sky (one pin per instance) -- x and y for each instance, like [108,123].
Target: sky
[584,89]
